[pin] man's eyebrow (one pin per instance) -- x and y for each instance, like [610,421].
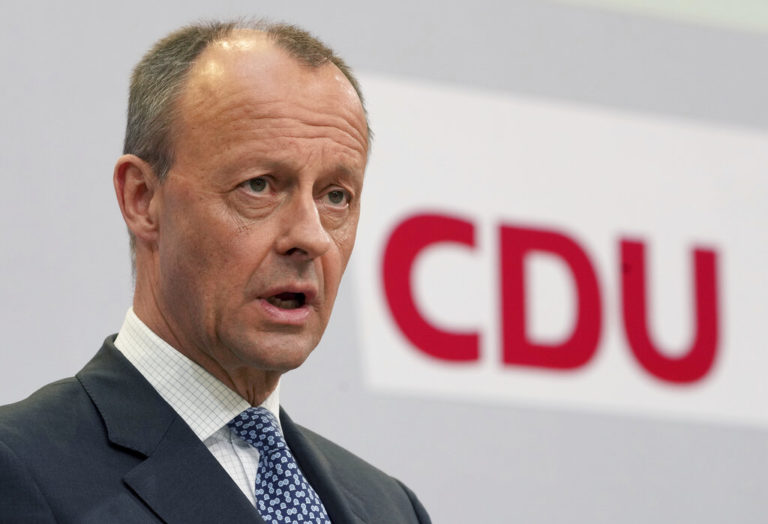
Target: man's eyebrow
[339,169]
[255,162]
[346,170]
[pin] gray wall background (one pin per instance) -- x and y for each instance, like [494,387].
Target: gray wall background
[65,277]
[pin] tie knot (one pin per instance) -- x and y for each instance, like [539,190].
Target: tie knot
[259,428]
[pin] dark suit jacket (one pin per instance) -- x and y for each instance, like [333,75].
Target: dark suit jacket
[104,447]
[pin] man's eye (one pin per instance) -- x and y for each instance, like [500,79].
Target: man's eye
[337,197]
[257,185]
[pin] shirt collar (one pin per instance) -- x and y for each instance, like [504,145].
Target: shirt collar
[200,399]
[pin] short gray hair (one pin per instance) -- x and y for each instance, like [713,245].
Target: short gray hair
[160,76]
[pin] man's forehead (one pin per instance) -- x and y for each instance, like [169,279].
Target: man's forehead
[235,52]
[253,56]
[249,65]
[245,39]
[247,74]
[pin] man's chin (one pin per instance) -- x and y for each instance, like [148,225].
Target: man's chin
[279,353]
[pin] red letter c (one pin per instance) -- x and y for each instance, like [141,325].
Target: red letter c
[404,245]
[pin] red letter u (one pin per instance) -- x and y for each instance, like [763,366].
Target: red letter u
[699,359]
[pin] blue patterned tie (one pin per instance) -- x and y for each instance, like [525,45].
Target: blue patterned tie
[283,495]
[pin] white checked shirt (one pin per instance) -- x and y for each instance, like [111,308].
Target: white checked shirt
[200,399]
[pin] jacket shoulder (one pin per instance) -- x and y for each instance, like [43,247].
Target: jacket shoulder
[49,410]
[37,451]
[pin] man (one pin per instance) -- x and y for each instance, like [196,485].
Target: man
[240,186]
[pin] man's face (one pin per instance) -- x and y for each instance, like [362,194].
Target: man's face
[257,217]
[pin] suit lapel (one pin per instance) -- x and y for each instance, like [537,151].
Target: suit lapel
[342,506]
[182,482]
[178,478]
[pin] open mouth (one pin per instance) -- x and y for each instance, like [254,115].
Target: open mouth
[288,300]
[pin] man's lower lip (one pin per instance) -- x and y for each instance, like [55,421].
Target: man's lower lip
[285,316]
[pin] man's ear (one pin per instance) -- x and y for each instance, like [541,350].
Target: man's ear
[136,186]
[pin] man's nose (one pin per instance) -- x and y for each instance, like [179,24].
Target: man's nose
[303,234]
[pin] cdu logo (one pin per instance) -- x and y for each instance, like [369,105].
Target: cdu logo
[537,252]
[516,243]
